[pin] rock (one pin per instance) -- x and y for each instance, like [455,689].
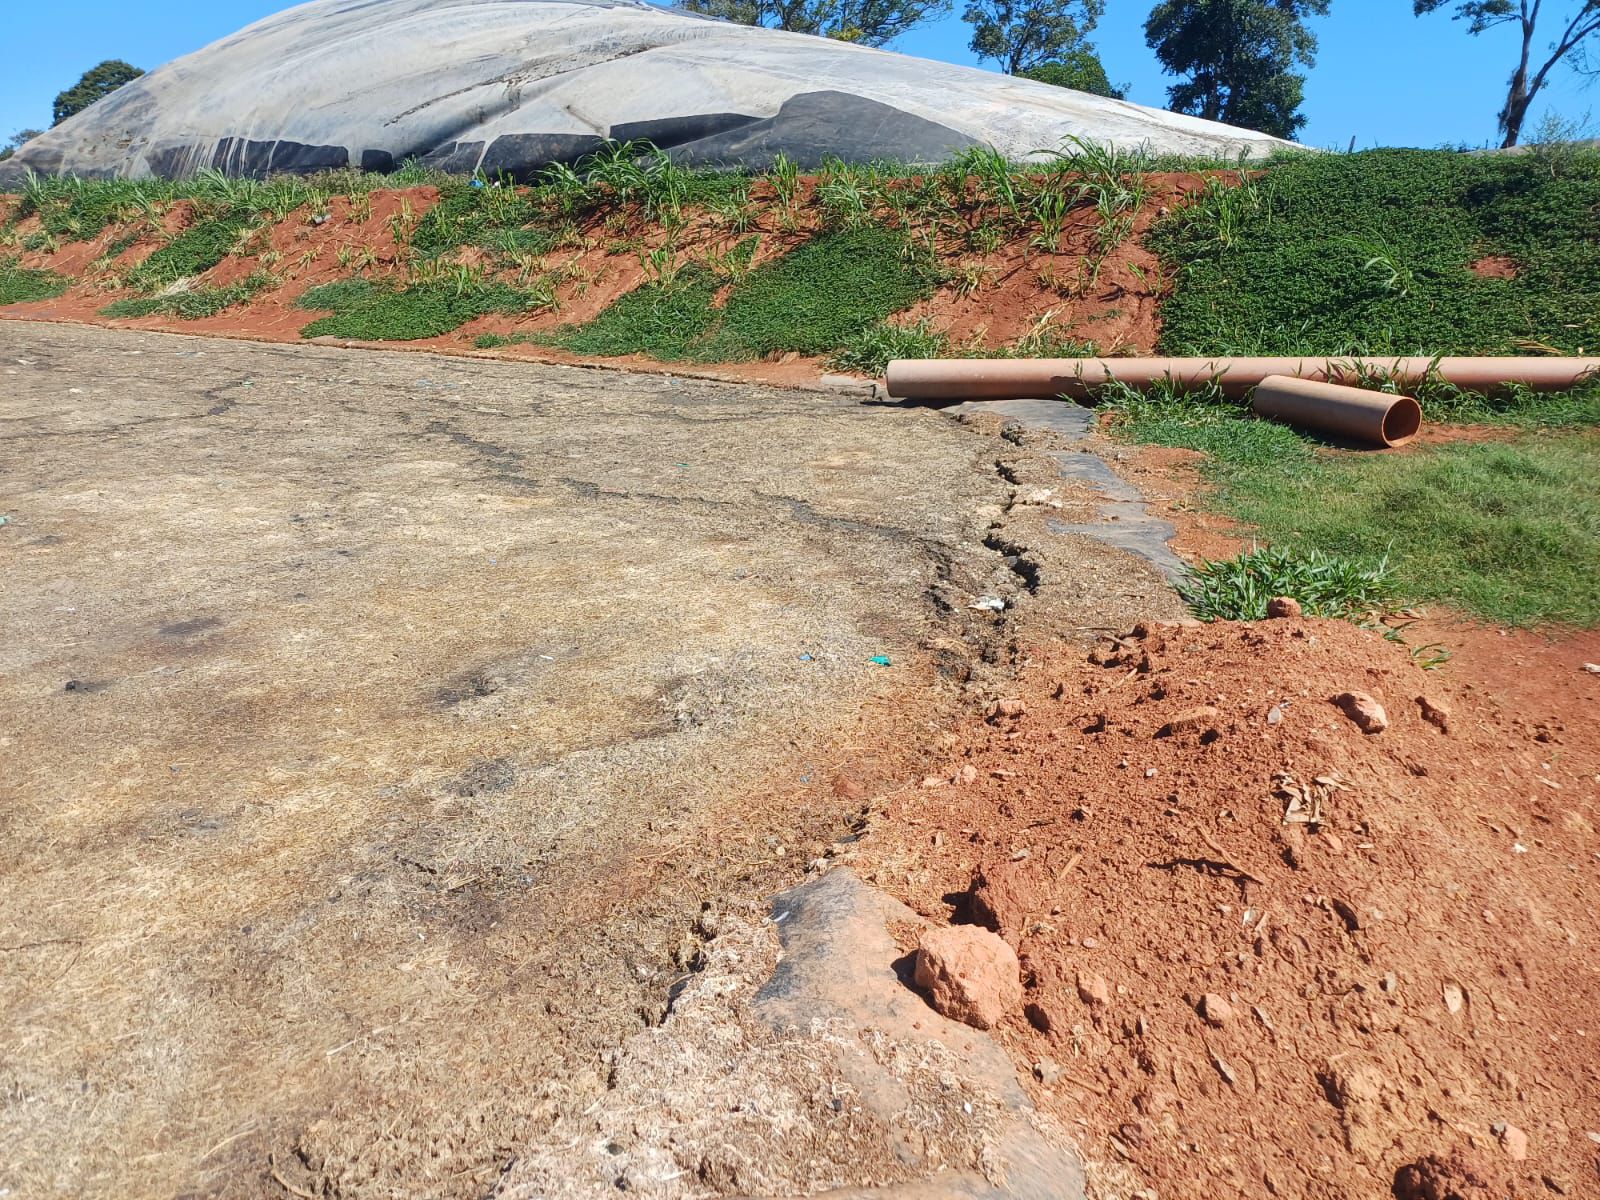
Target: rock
[1592,668]
[847,788]
[1435,713]
[1361,708]
[967,774]
[1214,1010]
[1001,898]
[1514,1142]
[1047,1072]
[1189,720]
[1093,990]
[1557,1184]
[969,974]
[1011,706]
[1283,606]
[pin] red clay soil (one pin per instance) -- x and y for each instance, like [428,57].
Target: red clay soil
[993,298]
[1395,987]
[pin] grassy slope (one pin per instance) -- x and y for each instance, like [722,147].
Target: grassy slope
[1370,253]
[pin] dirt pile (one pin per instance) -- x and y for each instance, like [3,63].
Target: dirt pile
[1266,953]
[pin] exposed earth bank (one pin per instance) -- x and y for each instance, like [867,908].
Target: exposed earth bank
[1266,953]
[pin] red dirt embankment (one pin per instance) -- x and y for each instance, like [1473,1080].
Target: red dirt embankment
[1074,289]
[1267,954]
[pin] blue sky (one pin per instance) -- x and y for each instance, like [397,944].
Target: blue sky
[1383,76]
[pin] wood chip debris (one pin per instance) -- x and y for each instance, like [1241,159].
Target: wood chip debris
[1305,801]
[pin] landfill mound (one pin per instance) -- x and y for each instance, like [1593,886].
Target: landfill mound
[1266,953]
[486,85]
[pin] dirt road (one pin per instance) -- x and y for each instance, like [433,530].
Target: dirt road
[376,726]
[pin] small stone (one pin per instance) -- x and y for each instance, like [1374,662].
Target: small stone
[1514,1142]
[1361,708]
[970,974]
[967,774]
[1435,713]
[1047,1072]
[1391,982]
[1149,772]
[1275,715]
[1189,720]
[1455,997]
[1093,990]
[1557,1184]
[1215,1011]
[1011,706]
[1283,606]
[1592,668]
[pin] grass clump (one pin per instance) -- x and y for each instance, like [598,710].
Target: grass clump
[1371,253]
[1326,585]
[371,311]
[478,216]
[196,250]
[871,350]
[668,320]
[190,304]
[20,285]
[815,300]
[493,341]
[819,297]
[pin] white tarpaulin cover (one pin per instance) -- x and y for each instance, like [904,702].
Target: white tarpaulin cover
[509,85]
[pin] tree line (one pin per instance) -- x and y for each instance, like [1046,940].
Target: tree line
[1235,61]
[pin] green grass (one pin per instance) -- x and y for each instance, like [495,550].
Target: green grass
[870,350]
[493,341]
[482,216]
[197,249]
[667,322]
[1370,253]
[1238,589]
[378,312]
[1507,531]
[19,285]
[190,304]
[816,300]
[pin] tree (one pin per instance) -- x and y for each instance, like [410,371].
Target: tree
[1569,46]
[870,22]
[19,139]
[1021,35]
[1079,69]
[96,83]
[1238,56]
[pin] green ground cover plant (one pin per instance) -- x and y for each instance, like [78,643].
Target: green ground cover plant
[1326,585]
[815,300]
[1507,530]
[19,285]
[190,304]
[379,311]
[1372,253]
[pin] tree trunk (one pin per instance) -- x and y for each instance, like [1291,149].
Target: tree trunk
[1517,98]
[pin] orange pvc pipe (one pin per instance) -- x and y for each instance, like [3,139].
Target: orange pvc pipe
[1044,378]
[1357,413]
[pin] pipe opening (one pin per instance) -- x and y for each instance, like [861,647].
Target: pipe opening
[1402,421]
